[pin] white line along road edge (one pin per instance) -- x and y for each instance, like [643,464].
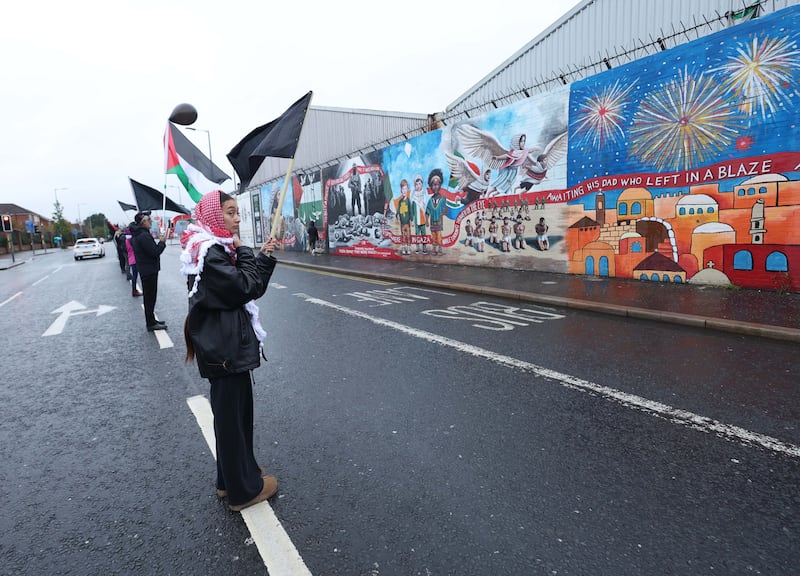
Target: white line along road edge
[675,415]
[279,554]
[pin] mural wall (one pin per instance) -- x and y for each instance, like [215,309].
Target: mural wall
[301,204]
[680,167]
[355,209]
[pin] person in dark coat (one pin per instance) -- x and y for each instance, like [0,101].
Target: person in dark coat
[313,236]
[148,263]
[224,335]
[122,255]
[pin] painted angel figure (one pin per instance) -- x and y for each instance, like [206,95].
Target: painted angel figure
[470,181]
[532,162]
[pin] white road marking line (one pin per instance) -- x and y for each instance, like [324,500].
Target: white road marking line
[164,341]
[205,419]
[277,551]
[41,280]
[3,303]
[675,415]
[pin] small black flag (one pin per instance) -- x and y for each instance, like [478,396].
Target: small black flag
[277,139]
[151,199]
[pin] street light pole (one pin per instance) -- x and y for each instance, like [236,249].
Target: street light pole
[55,192]
[208,135]
[80,222]
[180,196]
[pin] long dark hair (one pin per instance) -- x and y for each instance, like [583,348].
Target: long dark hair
[188,340]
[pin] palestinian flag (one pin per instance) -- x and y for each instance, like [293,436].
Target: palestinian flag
[196,172]
[744,15]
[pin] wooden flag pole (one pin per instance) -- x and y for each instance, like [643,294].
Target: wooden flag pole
[276,218]
[273,230]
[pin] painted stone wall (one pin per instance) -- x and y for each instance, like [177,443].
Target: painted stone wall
[680,167]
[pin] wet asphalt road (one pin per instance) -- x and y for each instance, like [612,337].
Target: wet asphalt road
[413,431]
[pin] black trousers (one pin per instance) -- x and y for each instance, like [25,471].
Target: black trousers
[232,405]
[149,296]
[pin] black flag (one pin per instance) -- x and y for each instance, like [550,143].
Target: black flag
[277,139]
[125,206]
[151,199]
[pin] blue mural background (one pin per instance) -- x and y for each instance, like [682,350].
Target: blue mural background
[730,96]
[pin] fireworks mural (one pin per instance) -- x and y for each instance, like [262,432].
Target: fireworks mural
[687,123]
[600,117]
[717,98]
[760,74]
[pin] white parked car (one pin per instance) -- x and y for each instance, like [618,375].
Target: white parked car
[85,247]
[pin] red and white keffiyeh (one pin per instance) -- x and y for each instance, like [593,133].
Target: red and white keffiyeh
[207,230]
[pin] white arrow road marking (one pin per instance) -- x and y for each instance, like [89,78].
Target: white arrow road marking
[72,308]
[273,543]
[669,413]
[101,309]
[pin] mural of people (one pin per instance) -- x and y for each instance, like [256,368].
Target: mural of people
[373,194]
[469,230]
[519,234]
[419,199]
[405,214]
[354,183]
[505,231]
[541,235]
[435,210]
[493,227]
[531,162]
[479,239]
[469,179]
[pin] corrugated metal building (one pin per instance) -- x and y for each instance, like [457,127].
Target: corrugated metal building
[597,35]
[594,36]
[333,134]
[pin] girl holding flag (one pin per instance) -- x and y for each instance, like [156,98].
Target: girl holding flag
[223,333]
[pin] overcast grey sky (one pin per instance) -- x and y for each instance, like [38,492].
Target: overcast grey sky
[88,84]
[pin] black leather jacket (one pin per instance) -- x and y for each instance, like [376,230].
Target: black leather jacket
[147,251]
[217,323]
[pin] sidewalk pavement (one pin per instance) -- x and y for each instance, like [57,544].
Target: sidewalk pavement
[740,311]
[6,261]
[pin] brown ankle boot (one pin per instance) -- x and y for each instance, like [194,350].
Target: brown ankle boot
[267,491]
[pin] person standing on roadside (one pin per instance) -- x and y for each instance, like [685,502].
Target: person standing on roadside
[119,242]
[313,236]
[133,272]
[223,333]
[148,262]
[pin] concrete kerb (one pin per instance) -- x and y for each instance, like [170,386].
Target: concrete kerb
[691,320]
[6,265]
